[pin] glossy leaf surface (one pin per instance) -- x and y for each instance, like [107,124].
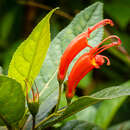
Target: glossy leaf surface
[12,100]
[29,57]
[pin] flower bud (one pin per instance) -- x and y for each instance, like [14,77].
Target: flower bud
[33,103]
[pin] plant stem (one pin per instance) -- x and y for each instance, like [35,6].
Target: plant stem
[56,109]
[24,119]
[33,126]
[68,101]
[50,116]
[6,123]
[45,7]
[59,97]
[44,120]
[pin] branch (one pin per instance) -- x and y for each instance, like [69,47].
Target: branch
[45,7]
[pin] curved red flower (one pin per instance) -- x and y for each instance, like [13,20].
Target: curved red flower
[86,63]
[77,44]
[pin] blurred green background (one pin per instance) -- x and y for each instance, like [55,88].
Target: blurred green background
[18,18]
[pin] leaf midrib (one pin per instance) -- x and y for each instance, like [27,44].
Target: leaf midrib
[34,55]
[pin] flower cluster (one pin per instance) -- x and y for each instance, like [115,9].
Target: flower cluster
[87,61]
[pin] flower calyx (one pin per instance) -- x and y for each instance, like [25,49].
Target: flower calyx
[33,103]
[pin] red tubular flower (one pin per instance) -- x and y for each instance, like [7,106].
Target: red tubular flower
[86,63]
[77,44]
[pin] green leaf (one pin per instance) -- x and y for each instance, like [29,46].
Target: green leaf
[12,100]
[47,80]
[78,125]
[87,114]
[85,101]
[85,82]
[63,103]
[1,70]
[3,128]
[107,110]
[122,126]
[28,58]
[7,23]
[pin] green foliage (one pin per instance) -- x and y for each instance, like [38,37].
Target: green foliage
[113,8]
[29,56]
[33,108]
[47,80]
[78,125]
[28,59]
[87,114]
[85,81]
[12,100]
[123,126]
[7,23]
[107,110]
[85,101]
